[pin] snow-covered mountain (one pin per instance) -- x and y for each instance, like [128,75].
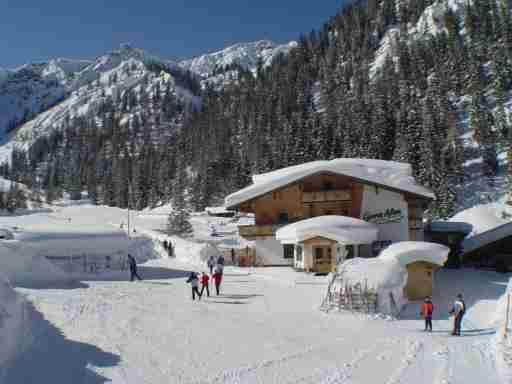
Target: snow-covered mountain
[36,98]
[212,67]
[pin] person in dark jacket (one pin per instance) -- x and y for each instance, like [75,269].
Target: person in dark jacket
[205,284]
[211,263]
[458,310]
[217,279]
[133,268]
[220,260]
[194,283]
[427,308]
[233,256]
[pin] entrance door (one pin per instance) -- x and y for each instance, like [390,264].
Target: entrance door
[323,259]
[419,281]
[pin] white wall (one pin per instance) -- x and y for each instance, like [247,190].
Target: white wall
[270,251]
[388,210]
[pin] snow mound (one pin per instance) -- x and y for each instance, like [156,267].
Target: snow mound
[341,228]
[22,265]
[385,276]
[380,172]
[407,252]
[502,343]
[387,273]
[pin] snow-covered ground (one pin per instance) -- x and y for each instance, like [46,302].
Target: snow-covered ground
[265,327]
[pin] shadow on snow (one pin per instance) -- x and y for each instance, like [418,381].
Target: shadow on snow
[52,358]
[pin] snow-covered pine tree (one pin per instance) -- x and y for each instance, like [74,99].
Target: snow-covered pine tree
[178,222]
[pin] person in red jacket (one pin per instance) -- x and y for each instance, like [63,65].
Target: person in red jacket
[427,308]
[204,284]
[217,278]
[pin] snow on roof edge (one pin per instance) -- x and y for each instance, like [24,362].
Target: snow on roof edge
[393,175]
[487,237]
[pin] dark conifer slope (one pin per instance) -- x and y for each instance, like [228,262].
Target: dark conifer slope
[327,98]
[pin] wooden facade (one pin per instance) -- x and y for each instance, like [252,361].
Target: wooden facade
[317,195]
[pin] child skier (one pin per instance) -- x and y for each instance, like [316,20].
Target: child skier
[427,308]
[194,283]
[204,284]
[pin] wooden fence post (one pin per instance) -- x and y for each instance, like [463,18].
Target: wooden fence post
[507,316]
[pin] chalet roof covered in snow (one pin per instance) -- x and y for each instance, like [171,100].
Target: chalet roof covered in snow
[340,228]
[472,243]
[388,174]
[407,252]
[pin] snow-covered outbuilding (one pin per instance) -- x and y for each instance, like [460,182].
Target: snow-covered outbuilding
[324,241]
[402,272]
[381,193]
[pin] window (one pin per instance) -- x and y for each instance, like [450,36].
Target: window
[328,186]
[283,217]
[298,253]
[319,253]
[288,251]
[350,252]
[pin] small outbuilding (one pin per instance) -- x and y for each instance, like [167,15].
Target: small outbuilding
[421,259]
[402,272]
[320,243]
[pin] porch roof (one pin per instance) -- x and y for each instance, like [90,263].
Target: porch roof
[343,229]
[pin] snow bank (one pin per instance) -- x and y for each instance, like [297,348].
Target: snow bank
[22,265]
[503,344]
[13,335]
[344,229]
[386,173]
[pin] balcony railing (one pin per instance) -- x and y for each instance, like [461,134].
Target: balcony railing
[250,231]
[320,196]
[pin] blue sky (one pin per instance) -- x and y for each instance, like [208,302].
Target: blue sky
[35,30]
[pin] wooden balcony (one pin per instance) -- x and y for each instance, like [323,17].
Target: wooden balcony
[324,196]
[251,232]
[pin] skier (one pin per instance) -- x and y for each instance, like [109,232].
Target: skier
[171,249]
[204,284]
[217,279]
[458,310]
[427,308]
[194,283]
[220,264]
[133,268]
[211,264]
[166,245]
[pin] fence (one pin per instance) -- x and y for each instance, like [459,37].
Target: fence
[92,264]
[354,297]
[507,317]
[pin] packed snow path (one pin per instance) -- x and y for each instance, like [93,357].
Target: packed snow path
[264,328]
